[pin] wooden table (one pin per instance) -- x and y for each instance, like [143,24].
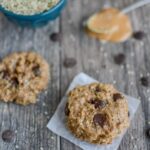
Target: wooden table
[92,57]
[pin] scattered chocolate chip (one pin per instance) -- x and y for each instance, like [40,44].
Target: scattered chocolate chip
[148,132]
[139,35]
[117,96]
[104,66]
[69,62]
[144,81]
[67,111]
[99,119]
[98,103]
[14,82]
[36,70]
[119,58]
[128,114]
[8,136]
[55,37]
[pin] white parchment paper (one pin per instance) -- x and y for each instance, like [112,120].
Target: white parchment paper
[58,126]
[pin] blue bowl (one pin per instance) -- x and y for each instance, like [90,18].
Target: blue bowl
[36,20]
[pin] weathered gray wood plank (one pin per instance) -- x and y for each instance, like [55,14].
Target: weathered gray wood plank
[92,56]
[30,122]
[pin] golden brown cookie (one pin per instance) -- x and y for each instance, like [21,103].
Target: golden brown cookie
[96,113]
[118,21]
[23,76]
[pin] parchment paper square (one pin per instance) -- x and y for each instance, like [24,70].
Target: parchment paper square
[57,122]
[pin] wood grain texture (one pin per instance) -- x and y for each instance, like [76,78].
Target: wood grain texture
[93,57]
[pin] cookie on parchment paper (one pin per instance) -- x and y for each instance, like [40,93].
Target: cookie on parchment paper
[96,113]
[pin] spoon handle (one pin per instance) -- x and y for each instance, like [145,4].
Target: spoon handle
[135,5]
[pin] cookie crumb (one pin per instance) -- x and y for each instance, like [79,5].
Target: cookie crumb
[41,148]
[132,54]
[17,147]
[43,104]
[46,113]
[114,81]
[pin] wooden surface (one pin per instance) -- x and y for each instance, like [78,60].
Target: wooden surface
[94,58]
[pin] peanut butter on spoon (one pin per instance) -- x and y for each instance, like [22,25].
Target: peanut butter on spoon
[109,25]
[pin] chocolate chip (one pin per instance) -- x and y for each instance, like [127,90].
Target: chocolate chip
[5,74]
[98,103]
[128,114]
[117,96]
[104,66]
[69,62]
[148,132]
[119,58]
[144,81]
[55,37]
[97,89]
[8,136]
[67,111]
[139,35]
[99,119]
[36,70]
[14,82]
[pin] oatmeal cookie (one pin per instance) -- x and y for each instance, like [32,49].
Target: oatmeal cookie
[22,76]
[96,113]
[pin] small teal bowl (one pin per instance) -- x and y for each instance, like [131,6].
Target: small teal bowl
[36,20]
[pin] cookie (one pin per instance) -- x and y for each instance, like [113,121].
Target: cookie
[96,113]
[122,31]
[23,75]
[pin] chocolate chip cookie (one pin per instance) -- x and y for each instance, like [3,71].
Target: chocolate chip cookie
[96,113]
[23,75]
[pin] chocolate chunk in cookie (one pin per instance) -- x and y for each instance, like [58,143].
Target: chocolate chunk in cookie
[98,103]
[117,96]
[99,119]
[36,70]
[97,89]
[67,111]
[5,75]
[15,82]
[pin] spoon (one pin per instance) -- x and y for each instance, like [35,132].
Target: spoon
[131,7]
[135,6]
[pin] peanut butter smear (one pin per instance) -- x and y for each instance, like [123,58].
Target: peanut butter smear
[109,25]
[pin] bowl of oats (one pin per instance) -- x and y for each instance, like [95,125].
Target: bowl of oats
[31,13]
